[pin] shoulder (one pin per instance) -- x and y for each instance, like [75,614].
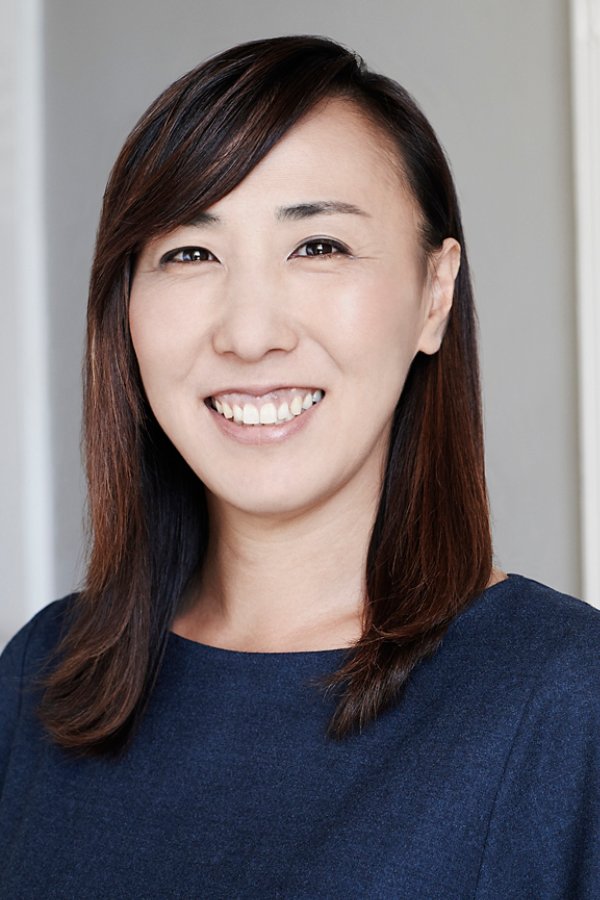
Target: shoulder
[36,639]
[530,655]
[564,634]
[24,658]
[524,642]
[531,619]
[542,647]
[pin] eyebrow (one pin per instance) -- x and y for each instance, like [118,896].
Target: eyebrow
[296,212]
[205,218]
[329,207]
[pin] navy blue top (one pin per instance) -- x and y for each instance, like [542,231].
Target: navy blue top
[483,782]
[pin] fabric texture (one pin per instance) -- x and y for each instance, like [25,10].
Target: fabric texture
[482,782]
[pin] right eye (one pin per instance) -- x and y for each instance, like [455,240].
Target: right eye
[187,255]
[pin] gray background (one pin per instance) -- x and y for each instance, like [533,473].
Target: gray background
[493,77]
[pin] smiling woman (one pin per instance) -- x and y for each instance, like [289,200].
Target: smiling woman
[293,670]
[237,310]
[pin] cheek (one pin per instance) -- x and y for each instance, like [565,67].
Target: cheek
[163,339]
[376,326]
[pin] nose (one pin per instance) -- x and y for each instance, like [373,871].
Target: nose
[255,317]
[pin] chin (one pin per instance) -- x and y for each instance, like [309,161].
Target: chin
[267,502]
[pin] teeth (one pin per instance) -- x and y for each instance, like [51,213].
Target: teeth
[268,413]
[283,413]
[250,415]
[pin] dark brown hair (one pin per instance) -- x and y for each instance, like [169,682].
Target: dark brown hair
[430,550]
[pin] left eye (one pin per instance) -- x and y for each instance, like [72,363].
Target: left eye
[321,247]
[188,255]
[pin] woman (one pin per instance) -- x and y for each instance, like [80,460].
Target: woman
[293,670]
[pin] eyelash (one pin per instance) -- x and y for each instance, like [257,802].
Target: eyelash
[339,248]
[170,256]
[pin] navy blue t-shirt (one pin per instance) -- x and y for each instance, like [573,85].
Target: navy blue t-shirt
[482,782]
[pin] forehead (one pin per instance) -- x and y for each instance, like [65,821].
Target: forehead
[334,150]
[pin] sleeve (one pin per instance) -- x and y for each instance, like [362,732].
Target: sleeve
[543,838]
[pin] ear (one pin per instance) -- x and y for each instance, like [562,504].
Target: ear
[439,293]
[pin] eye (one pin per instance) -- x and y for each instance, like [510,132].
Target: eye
[187,255]
[322,247]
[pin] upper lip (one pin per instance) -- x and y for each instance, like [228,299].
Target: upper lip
[258,389]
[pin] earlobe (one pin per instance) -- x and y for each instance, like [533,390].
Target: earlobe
[440,289]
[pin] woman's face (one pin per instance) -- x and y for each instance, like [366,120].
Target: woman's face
[308,279]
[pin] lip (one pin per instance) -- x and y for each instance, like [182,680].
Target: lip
[262,434]
[257,389]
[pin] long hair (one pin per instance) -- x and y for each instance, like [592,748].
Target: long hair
[430,548]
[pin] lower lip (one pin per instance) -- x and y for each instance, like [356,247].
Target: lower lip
[262,434]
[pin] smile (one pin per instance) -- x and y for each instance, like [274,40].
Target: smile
[289,405]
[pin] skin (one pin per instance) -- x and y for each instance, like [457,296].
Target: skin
[290,522]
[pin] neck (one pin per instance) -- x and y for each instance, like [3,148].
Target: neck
[275,583]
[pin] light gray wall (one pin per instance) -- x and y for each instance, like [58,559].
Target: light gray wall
[11,531]
[492,75]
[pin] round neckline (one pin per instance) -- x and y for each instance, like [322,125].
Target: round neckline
[211,649]
[229,653]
